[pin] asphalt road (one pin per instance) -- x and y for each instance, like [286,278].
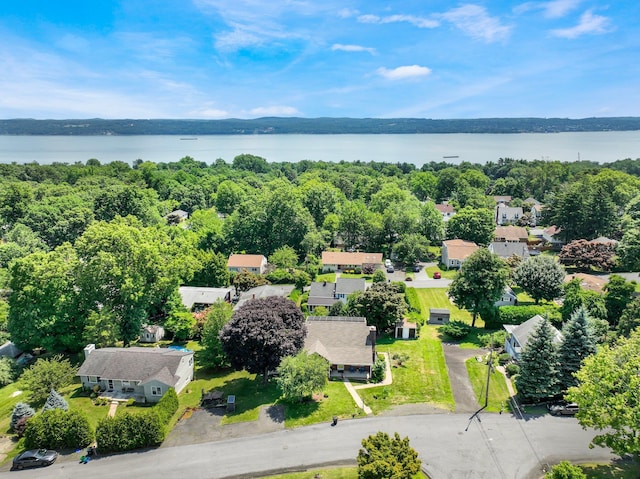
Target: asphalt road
[450,446]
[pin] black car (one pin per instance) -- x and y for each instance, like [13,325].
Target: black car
[416,268]
[35,457]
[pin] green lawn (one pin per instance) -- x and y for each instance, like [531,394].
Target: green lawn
[437,298]
[422,378]
[615,470]
[333,473]
[449,274]
[498,392]
[328,277]
[335,401]
[367,277]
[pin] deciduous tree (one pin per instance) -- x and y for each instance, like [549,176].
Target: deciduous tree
[480,282]
[411,249]
[585,255]
[385,457]
[301,375]
[45,375]
[630,319]
[470,224]
[213,354]
[284,257]
[382,304]
[262,332]
[618,294]
[541,277]
[607,393]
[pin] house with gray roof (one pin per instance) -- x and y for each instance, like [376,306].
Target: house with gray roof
[507,214]
[264,291]
[196,298]
[348,343]
[518,335]
[506,249]
[324,293]
[143,373]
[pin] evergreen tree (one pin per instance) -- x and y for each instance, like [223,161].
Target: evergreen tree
[576,345]
[538,378]
[21,410]
[55,401]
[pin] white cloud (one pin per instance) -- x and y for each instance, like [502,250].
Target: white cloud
[276,110]
[420,22]
[352,48]
[589,24]
[404,72]
[552,9]
[209,113]
[475,22]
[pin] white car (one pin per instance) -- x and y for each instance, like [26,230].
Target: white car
[387,263]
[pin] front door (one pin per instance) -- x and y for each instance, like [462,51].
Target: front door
[110,384]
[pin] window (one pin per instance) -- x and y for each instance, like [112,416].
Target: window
[190,360]
[92,379]
[156,391]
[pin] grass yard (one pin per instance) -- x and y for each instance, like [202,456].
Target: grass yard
[422,378]
[448,274]
[437,298]
[328,277]
[332,473]
[9,396]
[336,401]
[616,470]
[367,277]
[498,392]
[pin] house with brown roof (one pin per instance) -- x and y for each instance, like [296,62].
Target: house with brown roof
[253,263]
[589,281]
[341,260]
[142,373]
[516,234]
[455,251]
[446,210]
[502,199]
[348,343]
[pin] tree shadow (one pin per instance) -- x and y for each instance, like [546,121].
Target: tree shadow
[300,409]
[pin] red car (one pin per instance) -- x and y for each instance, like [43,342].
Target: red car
[436,275]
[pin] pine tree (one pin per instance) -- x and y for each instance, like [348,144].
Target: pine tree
[538,378]
[55,401]
[577,345]
[21,410]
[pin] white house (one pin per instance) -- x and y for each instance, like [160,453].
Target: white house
[143,373]
[253,263]
[507,214]
[518,336]
[455,251]
[341,260]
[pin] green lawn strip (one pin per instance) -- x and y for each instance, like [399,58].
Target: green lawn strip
[445,273]
[9,397]
[498,392]
[367,277]
[335,401]
[437,298]
[616,470]
[422,378]
[328,277]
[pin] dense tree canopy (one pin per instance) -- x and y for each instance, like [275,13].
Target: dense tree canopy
[385,457]
[541,277]
[261,333]
[471,224]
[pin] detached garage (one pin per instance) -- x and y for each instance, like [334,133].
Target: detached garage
[439,316]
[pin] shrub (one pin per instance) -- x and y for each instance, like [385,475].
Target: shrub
[21,426]
[492,340]
[130,431]
[456,329]
[368,269]
[20,411]
[565,470]
[379,276]
[402,288]
[504,358]
[9,371]
[357,270]
[377,374]
[167,406]
[519,314]
[512,369]
[58,429]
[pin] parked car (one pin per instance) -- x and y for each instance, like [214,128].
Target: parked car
[390,269]
[416,268]
[563,409]
[387,263]
[437,275]
[35,457]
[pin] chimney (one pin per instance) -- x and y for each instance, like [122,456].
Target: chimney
[372,340]
[88,349]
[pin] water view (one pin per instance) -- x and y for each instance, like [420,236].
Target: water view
[601,147]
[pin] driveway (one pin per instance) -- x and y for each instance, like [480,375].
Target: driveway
[463,394]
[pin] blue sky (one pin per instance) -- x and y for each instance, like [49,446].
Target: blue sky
[215,59]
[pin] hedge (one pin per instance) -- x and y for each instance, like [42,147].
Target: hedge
[58,429]
[412,298]
[519,314]
[133,431]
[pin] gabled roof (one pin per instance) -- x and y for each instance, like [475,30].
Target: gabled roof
[603,240]
[134,364]
[506,249]
[350,285]
[195,295]
[523,331]
[460,249]
[445,208]
[245,261]
[340,340]
[588,281]
[265,291]
[509,211]
[510,233]
[502,199]
[356,258]
[322,289]
[532,201]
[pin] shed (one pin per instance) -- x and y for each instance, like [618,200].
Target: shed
[406,329]
[439,316]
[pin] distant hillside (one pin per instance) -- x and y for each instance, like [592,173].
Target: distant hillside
[317,126]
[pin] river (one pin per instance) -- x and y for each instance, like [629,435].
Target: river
[601,147]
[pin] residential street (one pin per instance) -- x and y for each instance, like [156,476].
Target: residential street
[492,447]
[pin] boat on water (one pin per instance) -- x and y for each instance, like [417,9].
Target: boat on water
[451,156]
[189,138]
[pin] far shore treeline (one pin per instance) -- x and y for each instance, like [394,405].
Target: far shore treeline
[277,125]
